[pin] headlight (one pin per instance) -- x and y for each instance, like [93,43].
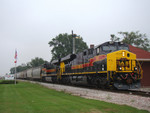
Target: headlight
[120,68]
[135,68]
[103,67]
[123,53]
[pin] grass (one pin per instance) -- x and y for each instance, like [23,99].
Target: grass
[7,81]
[33,98]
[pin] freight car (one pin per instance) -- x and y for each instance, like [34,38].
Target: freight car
[108,65]
[21,75]
[31,74]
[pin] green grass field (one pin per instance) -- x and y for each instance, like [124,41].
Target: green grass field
[33,98]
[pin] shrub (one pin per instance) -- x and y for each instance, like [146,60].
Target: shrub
[8,81]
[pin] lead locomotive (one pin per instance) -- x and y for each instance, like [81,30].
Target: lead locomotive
[107,65]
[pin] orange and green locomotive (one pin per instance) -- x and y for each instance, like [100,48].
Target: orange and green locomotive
[110,64]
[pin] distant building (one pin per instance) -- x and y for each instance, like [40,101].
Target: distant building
[9,77]
[1,77]
[144,58]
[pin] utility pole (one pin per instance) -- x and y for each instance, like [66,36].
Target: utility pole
[73,36]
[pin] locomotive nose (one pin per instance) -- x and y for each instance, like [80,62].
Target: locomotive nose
[121,61]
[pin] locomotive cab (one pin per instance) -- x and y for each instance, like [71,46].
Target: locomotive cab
[123,71]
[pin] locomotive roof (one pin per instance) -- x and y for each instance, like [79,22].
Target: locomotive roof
[70,57]
[111,43]
[65,59]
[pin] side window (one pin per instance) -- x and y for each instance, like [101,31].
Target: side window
[90,51]
[100,49]
[97,50]
[84,53]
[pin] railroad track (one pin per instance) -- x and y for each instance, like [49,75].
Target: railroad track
[129,92]
[140,93]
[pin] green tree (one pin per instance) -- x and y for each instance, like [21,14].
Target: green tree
[36,62]
[12,70]
[114,38]
[63,45]
[18,68]
[134,38]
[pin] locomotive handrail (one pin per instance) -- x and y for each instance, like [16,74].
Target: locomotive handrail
[124,77]
[140,70]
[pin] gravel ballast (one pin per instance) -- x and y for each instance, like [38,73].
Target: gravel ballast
[117,98]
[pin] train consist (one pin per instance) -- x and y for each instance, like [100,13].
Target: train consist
[107,65]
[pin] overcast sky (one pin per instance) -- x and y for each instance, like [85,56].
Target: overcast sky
[28,25]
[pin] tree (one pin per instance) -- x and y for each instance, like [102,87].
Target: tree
[12,70]
[114,38]
[63,45]
[18,68]
[36,62]
[135,38]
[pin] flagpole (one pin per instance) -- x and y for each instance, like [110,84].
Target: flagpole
[15,65]
[15,73]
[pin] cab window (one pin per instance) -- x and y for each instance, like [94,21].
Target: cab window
[98,50]
[123,48]
[109,48]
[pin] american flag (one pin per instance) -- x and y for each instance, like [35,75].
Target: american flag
[15,56]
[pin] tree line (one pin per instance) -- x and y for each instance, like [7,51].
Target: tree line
[136,39]
[33,63]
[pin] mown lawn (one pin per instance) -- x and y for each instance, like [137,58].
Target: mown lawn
[33,98]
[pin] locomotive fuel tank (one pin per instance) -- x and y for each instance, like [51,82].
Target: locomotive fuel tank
[80,80]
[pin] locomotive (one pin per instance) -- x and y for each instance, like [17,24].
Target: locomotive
[108,65]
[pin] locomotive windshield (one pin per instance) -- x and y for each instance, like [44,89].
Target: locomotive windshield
[109,48]
[123,48]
